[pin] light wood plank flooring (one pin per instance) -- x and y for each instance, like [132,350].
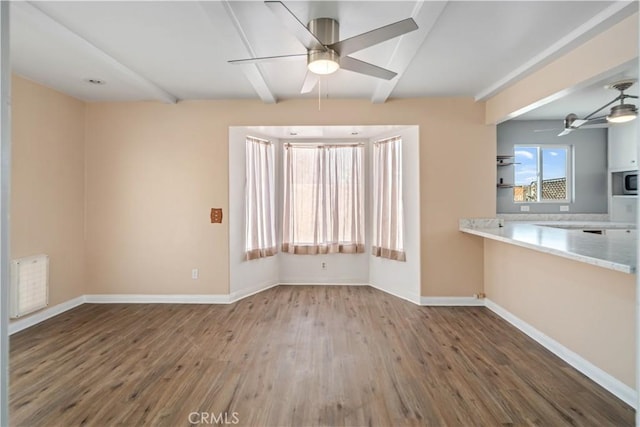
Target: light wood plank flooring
[295,356]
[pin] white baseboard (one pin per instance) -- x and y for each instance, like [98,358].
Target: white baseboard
[42,315]
[243,293]
[396,293]
[451,301]
[610,383]
[322,284]
[158,299]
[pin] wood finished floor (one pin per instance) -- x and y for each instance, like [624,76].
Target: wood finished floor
[296,356]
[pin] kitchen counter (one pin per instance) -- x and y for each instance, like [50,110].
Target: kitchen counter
[615,251]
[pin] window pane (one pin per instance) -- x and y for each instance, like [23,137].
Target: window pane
[304,194]
[323,199]
[554,174]
[526,174]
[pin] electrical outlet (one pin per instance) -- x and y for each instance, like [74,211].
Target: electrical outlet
[564,208]
[195,273]
[524,208]
[324,265]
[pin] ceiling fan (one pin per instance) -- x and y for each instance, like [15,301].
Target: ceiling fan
[326,53]
[620,113]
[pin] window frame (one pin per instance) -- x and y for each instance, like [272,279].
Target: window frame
[569,167]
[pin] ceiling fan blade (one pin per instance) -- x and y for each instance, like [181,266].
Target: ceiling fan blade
[268,59]
[293,24]
[598,121]
[565,132]
[310,81]
[352,64]
[370,38]
[577,123]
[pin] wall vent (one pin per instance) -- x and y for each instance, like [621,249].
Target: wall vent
[29,289]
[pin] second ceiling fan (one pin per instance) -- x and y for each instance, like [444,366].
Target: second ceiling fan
[326,53]
[620,113]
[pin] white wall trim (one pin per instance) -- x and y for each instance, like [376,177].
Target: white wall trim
[451,301]
[396,293]
[610,383]
[158,299]
[42,315]
[243,293]
[322,284]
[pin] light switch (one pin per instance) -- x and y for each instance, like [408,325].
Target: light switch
[216,215]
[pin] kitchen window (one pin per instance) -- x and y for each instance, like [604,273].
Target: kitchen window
[542,173]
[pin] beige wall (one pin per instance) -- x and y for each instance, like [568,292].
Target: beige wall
[155,170]
[588,309]
[47,188]
[607,51]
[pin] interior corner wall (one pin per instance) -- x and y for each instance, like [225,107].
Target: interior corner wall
[47,184]
[402,278]
[154,171]
[457,180]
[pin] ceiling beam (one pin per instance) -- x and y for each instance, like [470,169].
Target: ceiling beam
[426,14]
[615,12]
[46,22]
[251,70]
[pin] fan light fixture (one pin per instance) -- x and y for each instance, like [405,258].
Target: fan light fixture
[325,52]
[323,62]
[622,113]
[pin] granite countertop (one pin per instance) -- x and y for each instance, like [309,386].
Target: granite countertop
[616,250]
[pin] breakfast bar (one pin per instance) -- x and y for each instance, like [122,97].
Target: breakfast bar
[611,245]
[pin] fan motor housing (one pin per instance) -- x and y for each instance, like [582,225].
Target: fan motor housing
[327,30]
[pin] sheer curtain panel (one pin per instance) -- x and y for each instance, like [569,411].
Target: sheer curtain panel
[323,199]
[260,232]
[388,216]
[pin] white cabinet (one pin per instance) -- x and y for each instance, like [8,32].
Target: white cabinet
[623,146]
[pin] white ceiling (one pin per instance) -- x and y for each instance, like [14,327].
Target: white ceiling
[172,51]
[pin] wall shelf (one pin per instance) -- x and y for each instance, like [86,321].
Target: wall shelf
[505,160]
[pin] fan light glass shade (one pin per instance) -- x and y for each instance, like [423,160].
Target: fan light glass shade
[321,62]
[622,113]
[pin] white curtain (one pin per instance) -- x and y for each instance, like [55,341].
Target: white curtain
[388,215]
[323,199]
[260,230]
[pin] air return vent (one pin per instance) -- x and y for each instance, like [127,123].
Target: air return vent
[29,285]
